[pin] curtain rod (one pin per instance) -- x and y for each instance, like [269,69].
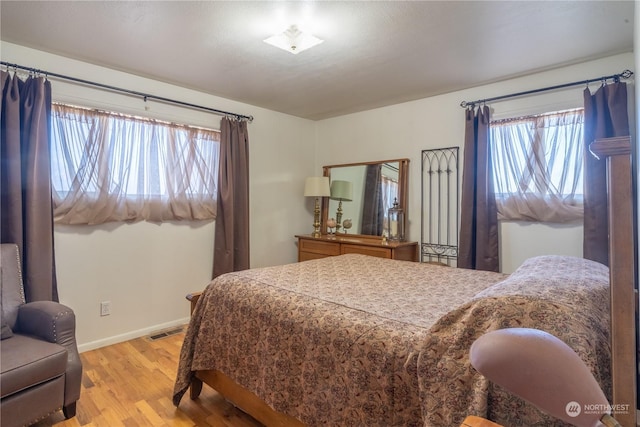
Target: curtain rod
[145,96]
[616,77]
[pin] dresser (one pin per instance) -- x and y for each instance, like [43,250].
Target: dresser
[327,245]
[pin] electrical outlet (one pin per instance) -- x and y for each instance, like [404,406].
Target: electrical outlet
[105,308]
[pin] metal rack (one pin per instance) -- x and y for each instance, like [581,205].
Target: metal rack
[440,206]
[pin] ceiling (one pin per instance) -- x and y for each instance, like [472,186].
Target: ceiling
[375,53]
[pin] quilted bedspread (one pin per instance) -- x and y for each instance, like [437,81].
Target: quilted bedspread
[362,341]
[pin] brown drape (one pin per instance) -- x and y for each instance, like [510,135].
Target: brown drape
[25,181]
[605,115]
[478,246]
[231,251]
[372,205]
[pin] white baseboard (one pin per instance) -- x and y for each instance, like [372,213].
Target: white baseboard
[131,335]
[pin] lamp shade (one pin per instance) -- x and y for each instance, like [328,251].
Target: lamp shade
[317,186]
[342,190]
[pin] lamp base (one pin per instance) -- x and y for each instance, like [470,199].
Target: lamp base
[339,216]
[316,219]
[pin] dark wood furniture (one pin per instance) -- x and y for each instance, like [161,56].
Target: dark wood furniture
[622,260]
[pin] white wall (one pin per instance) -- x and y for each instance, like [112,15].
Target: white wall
[404,130]
[146,269]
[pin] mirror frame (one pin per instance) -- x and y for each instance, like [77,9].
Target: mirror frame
[403,187]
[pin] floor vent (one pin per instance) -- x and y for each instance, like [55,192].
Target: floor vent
[166,333]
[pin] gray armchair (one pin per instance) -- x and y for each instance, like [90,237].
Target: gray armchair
[40,366]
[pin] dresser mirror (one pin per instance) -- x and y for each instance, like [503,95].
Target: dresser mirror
[373,187]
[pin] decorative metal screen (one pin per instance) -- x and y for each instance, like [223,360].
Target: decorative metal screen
[440,206]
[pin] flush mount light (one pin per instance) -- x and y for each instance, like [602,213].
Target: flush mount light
[293,40]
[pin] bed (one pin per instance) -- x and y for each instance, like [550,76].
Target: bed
[357,340]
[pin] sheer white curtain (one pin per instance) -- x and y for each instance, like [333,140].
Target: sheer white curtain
[113,167]
[538,167]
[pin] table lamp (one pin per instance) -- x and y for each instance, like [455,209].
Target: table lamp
[317,186]
[341,190]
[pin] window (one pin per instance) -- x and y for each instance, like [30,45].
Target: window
[538,166]
[112,167]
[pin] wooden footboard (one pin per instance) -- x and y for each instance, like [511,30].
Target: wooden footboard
[242,399]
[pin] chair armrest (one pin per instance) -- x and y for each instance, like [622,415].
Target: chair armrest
[55,322]
[48,320]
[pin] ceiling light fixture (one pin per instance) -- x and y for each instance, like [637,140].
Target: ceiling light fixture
[293,40]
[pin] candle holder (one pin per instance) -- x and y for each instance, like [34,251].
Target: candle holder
[395,232]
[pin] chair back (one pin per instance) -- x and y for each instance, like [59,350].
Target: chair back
[543,370]
[11,286]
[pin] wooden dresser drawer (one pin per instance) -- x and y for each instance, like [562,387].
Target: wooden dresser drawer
[319,247]
[306,256]
[366,250]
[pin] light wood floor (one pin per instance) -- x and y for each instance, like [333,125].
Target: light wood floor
[130,384]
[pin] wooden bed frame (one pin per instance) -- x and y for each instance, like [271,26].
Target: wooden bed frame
[624,297]
[622,261]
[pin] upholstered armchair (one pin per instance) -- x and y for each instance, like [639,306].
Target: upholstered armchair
[39,360]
